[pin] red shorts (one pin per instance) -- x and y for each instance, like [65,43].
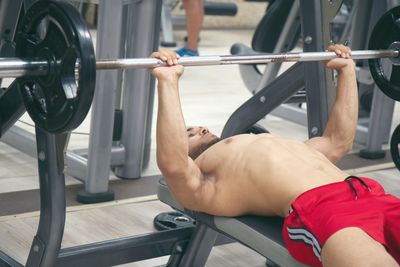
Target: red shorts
[320,212]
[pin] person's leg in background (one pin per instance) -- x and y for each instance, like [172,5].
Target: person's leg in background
[194,22]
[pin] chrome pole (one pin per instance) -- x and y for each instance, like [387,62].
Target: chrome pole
[242,59]
[14,67]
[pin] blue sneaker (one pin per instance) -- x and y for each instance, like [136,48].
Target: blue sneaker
[184,52]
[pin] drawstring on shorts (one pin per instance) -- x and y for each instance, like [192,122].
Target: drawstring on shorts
[350,182]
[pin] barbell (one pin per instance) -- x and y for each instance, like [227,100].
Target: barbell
[15,67]
[55,65]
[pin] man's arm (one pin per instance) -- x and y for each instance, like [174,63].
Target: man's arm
[183,176]
[340,130]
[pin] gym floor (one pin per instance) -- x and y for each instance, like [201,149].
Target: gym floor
[209,96]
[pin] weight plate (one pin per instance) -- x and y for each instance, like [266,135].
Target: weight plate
[384,34]
[394,147]
[172,220]
[59,101]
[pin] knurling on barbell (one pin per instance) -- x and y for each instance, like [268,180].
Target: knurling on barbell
[56,64]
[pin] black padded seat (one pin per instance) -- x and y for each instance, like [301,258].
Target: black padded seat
[262,234]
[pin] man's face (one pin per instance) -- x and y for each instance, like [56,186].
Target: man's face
[200,137]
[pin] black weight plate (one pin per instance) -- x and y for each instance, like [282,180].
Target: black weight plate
[394,147]
[172,220]
[270,27]
[385,32]
[55,31]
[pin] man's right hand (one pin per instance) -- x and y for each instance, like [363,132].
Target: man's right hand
[172,71]
[344,58]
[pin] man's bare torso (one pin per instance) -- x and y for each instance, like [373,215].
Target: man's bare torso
[263,174]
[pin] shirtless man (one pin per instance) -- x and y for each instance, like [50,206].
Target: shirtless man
[330,218]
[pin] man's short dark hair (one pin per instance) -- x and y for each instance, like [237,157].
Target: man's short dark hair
[196,152]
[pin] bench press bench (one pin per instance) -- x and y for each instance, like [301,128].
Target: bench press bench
[261,234]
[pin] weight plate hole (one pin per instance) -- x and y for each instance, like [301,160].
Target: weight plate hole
[181,219]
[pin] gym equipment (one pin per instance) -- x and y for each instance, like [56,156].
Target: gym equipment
[359,17]
[126,28]
[257,129]
[56,69]
[60,100]
[279,31]
[219,9]
[172,220]
[380,38]
[263,234]
[46,246]
[64,106]
[14,67]
[267,36]
[394,147]
[58,88]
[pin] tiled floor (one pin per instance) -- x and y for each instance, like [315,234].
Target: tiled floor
[209,96]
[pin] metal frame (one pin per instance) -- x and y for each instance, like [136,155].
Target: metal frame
[109,39]
[373,131]
[130,153]
[288,31]
[127,155]
[167,25]
[138,90]
[45,248]
[262,234]
[50,150]
[287,84]
[8,24]
[265,101]
[11,107]
[319,84]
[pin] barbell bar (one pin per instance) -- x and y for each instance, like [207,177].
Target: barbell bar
[14,67]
